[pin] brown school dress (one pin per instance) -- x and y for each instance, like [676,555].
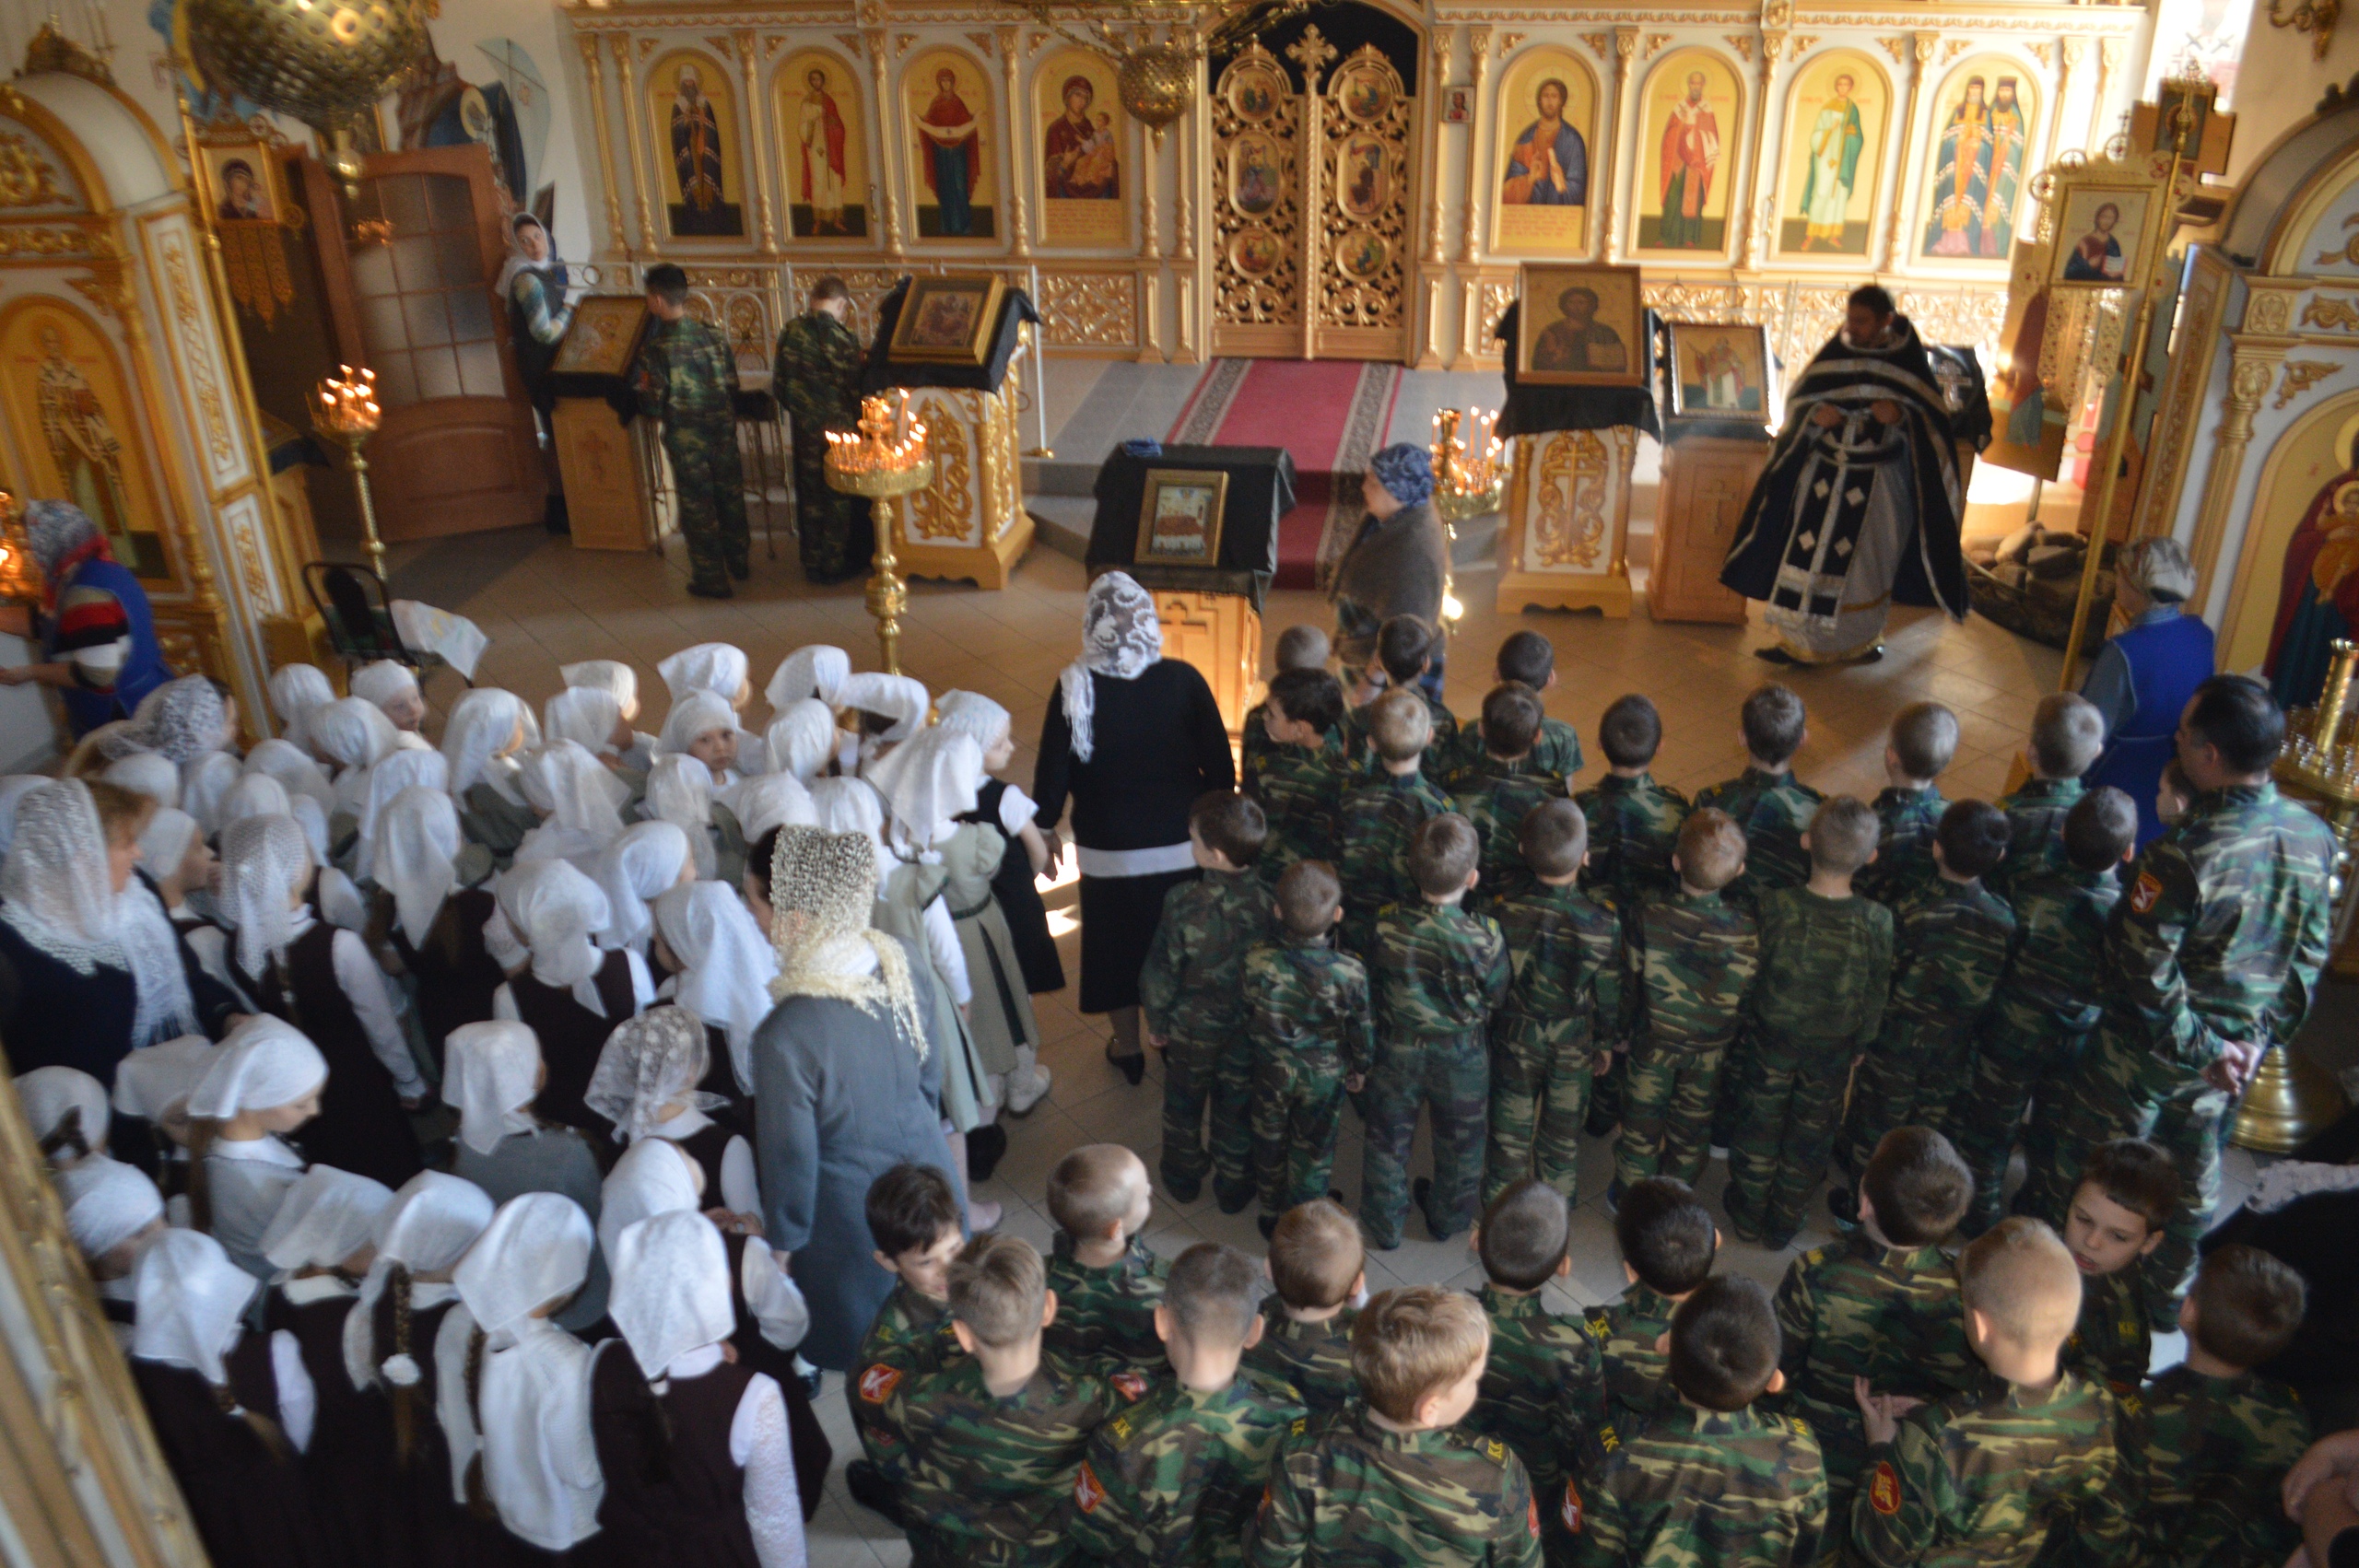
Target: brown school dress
[571,1036]
[429,1529]
[249,1506]
[674,1498]
[812,1452]
[350,1464]
[361,1126]
[455,972]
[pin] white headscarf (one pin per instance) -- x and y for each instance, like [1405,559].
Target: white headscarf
[557,910]
[853,805]
[817,672]
[149,1082]
[13,788]
[582,714]
[801,738]
[929,781]
[1119,638]
[53,885]
[417,855]
[728,965]
[771,801]
[536,1250]
[582,799]
[163,843]
[295,690]
[205,783]
[671,1293]
[50,1093]
[679,790]
[649,1064]
[263,1064]
[294,769]
[490,1074]
[107,1204]
[972,713]
[823,893]
[325,1217]
[654,1177]
[151,774]
[713,667]
[479,739]
[644,859]
[256,794]
[191,1298]
[427,1228]
[182,719]
[610,675]
[695,713]
[264,861]
[351,731]
[897,697]
[405,769]
[382,682]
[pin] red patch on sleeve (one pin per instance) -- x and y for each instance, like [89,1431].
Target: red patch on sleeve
[1130,1384]
[1572,1509]
[876,1385]
[1531,1515]
[1087,1491]
[2144,892]
[1883,1488]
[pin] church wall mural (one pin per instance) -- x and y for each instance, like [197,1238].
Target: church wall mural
[2304,592]
[825,137]
[1081,142]
[61,377]
[1550,159]
[1838,113]
[692,116]
[1692,141]
[952,130]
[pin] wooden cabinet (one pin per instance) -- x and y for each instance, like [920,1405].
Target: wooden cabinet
[1220,634]
[1706,482]
[606,467]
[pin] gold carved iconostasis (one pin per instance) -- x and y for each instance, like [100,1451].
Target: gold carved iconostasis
[1363,181]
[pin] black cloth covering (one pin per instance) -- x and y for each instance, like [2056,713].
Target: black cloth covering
[879,373]
[1957,369]
[1534,410]
[1019,900]
[1260,490]
[1931,572]
[349,1465]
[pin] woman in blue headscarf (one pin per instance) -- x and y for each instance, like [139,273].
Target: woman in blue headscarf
[95,625]
[1398,563]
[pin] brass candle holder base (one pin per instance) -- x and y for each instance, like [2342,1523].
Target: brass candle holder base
[2290,1100]
[889,595]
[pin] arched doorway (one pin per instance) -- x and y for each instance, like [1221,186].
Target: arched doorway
[1314,184]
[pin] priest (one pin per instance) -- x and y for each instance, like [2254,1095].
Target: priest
[1859,505]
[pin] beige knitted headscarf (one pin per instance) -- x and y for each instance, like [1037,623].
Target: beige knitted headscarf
[823,892]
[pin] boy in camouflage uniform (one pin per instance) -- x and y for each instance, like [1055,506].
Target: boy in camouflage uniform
[1298,647]
[1772,806]
[1311,1036]
[1439,973]
[1714,1482]
[1542,1388]
[1318,1265]
[1979,1479]
[2044,1011]
[1817,1003]
[1176,1479]
[1633,821]
[1951,942]
[1377,820]
[1922,741]
[1191,1001]
[1405,649]
[1300,774]
[2213,1440]
[1563,1007]
[1530,660]
[1107,1279]
[686,380]
[996,1437]
[816,374]
[1692,959]
[1389,1483]
[2127,1194]
[2067,734]
[913,1215]
[1881,1305]
[1496,785]
[1668,1242]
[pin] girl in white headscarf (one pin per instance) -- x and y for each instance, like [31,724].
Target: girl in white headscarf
[394,688]
[803,740]
[265,1084]
[295,691]
[590,718]
[439,916]
[817,671]
[205,784]
[399,771]
[580,804]
[693,1444]
[174,854]
[233,1411]
[887,709]
[351,735]
[573,993]
[1013,812]
[772,801]
[112,1211]
[258,794]
[488,727]
[152,1088]
[645,859]
[619,681]
[704,726]
[294,769]
[647,1086]
[151,774]
[513,1388]
[716,667]
[491,1073]
[722,967]
[66,1109]
[680,791]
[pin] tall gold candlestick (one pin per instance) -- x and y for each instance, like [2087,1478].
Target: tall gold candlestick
[887,457]
[347,414]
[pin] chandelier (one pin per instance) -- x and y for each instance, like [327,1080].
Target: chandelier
[1155,44]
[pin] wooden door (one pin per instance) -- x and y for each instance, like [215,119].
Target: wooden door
[459,450]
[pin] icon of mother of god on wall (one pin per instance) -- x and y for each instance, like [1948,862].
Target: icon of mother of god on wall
[1548,166]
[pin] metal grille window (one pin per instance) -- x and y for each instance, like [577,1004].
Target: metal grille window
[425,312]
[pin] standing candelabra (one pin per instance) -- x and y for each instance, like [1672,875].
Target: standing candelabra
[887,457]
[21,581]
[1468,482]
[347,414]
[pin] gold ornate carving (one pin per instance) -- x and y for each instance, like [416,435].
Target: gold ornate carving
[1600,43]
[1925,44]
[2268,311]
[1093,310]
[1803,43]
[1654,42]
[1352,293]
[1511,41]
[1312,52]
[2044,51]
[250,570]
[981,40]
[1953,47]
[2247,384]
[26,178]
[1255,294]
[941,512]
[2076,52]
[179,265]
[2335,312]
[1742,44]
[2301,374]
[1625,49]
[1575,481]
[28,242]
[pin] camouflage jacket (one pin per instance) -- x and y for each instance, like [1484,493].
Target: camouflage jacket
[2113,1343]
[2222,933]
[1494,796]
[1775,810]
[1951,945]
[1859,1309]
[2055,980]
[685,374]
[1315,1359]
[1106,1316]
[2207,1455]
[1825,966]
[911,1339]
[1543,1389]
[2036,816]
[1633,833]
[1190,988]
[1373,827]
[1903,862]
[1628,1329]
[816,373]
[1978,1479]
[1703,1489]
[1176,1479]
[1307,1010]
[1567,952]
[1300,789]
[1442,748]
[1692,960]
[990,1479]
[1438,970]
[1354,1495]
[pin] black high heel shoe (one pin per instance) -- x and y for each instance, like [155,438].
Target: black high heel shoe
[1131,1067]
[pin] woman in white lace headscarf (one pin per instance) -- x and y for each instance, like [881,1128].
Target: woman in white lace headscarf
[647,1085]
[1130,740]
[295,691]
[572,993]
[644,859]
[846,1077]
[488,727]
[579,801]
[888,709]
[723,967]
[13,788]
[184,720]
[400,770]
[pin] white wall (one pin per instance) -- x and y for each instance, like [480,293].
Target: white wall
[2283,59]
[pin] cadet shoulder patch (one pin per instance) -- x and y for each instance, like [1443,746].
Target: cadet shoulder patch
[1799,1424]
[1495,1450]
[2144,892]
[1571,1513]
[1130,1384]
[2132,1405]
[876,1385]
[1301,1425]
[1087,1492]
[1814,1256]
[1883,1488]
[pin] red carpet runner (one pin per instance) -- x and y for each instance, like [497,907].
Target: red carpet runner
[1330,414]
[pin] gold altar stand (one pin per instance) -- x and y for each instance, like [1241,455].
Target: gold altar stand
[1568,522]
[1706,482]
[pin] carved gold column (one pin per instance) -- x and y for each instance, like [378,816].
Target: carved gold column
[1150,219]
[1445,43]
[117,296]
[1019,215]
[888,145]
[1185,161]
[1469,244]
[2110,54]
[1922,56]
[596,71]
[1748,253]
[2249,374]
[1626,55]
[642,175]
[757,150]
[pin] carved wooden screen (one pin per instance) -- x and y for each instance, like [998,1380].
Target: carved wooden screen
[1360,246]
[1257,209]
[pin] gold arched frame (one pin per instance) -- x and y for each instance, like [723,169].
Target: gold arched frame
[861,176]
[1646,165]
[2031,89]
[912,89]
[2303,458]
[1513,107]
[1045,105]
[2319,191]
[1793,154]
[716,81]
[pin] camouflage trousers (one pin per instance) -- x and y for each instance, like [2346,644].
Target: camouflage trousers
[709,486]
[1215,1075]
[1910,1079]
[1450,1076]
[2026,1061]
[1297,1110]
[1667,1111]
[1791,1100]
[833,531]
[1540,1088]
[2122,1091]
[1607,1097]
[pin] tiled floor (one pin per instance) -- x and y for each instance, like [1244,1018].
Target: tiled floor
[543,603]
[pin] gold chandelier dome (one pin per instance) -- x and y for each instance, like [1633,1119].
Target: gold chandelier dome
[1156,81]
[316,60]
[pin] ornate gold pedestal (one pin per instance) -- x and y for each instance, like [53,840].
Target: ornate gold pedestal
[1706,482]
[972,523]
[608,495]
[1220,634]
[1568,522]
[2290,1100]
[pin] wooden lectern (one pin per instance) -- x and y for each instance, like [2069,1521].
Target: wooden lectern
[610,466]
[1706,482]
